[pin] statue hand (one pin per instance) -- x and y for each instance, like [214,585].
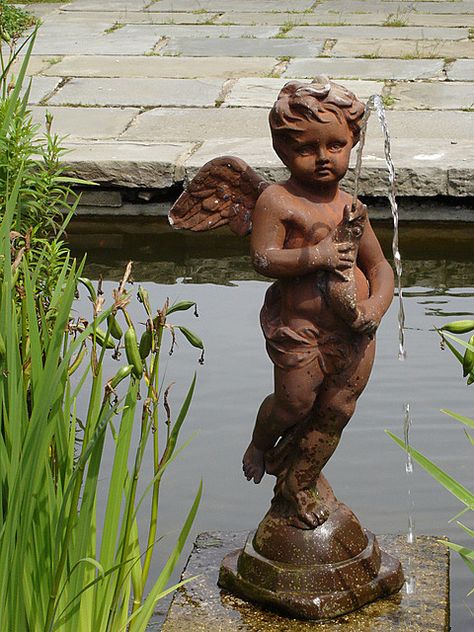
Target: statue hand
[336,256]
[367,320]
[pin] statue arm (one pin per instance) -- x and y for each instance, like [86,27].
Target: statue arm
[378,272]
[272,259]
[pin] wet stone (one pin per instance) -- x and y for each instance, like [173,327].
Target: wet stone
[201,606]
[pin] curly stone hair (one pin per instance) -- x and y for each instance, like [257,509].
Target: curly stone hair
[300,102]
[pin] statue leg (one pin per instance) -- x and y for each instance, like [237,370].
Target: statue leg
[320,436]
[290,404]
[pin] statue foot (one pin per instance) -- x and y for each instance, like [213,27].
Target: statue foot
[311,512]
[253,463]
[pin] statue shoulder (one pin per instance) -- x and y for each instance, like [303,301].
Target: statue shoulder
[275,200]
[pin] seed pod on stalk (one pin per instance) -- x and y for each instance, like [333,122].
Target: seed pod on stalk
[146,342]
[132,352]
[459,326]
[114,327]
[101,336]
[468,360]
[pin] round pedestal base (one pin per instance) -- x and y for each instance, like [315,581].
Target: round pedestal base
[313,574]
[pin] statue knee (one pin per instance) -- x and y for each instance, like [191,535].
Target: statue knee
[294,411]
[335,417]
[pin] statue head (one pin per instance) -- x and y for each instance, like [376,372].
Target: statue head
[299,103]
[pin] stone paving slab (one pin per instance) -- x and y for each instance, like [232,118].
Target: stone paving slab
[106,5]
[37,65]
[175,82]
[41,9]
[342,18]
[257,152]
[433,96]
[433,126]
[139,92]
[403,49]
[194,124]
[41,87]
[382,69]
[199,31]
[143,165]
[420,166]
[242,47]
[91,39]
[230,5]
[154,66]
[380,32]
[382,6]
[461,70]
[87,123]
[201,606]
[263,92]
[146,17]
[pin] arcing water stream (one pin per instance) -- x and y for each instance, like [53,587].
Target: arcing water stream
[375,103]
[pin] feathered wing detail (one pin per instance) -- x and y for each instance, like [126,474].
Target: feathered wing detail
[224,191]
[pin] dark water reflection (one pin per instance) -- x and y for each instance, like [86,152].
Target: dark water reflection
[367,471]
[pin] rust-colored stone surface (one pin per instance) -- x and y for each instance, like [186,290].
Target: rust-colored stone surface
[333,286]
[200,606]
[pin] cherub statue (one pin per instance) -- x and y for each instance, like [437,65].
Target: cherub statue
[333,284]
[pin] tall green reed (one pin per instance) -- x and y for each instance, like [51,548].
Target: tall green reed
[46,199]
[450,333]
[54,575]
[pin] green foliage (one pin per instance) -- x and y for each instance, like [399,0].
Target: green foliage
[45,200]
[13,21]
[54,575]
[464,495]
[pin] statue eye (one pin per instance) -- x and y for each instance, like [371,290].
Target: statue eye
[336,146]
[305,150]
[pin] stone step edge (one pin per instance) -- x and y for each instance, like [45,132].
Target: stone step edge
[425,180]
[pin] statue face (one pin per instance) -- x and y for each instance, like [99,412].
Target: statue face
[319,153]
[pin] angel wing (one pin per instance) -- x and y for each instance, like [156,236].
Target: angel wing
[224,191]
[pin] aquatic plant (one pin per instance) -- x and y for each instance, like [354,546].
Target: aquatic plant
[45,198]
[54,573]
[450,333]
[13,21]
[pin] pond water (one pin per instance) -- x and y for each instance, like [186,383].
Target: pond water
[368,470]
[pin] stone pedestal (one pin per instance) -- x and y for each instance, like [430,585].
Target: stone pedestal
[201,606]
[315,574]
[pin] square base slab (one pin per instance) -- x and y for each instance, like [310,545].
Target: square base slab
[201,606]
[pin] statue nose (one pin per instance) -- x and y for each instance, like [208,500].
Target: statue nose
[321,155]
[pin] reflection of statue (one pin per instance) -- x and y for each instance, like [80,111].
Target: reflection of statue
[319,318]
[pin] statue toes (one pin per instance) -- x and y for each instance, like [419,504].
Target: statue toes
[322,514]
